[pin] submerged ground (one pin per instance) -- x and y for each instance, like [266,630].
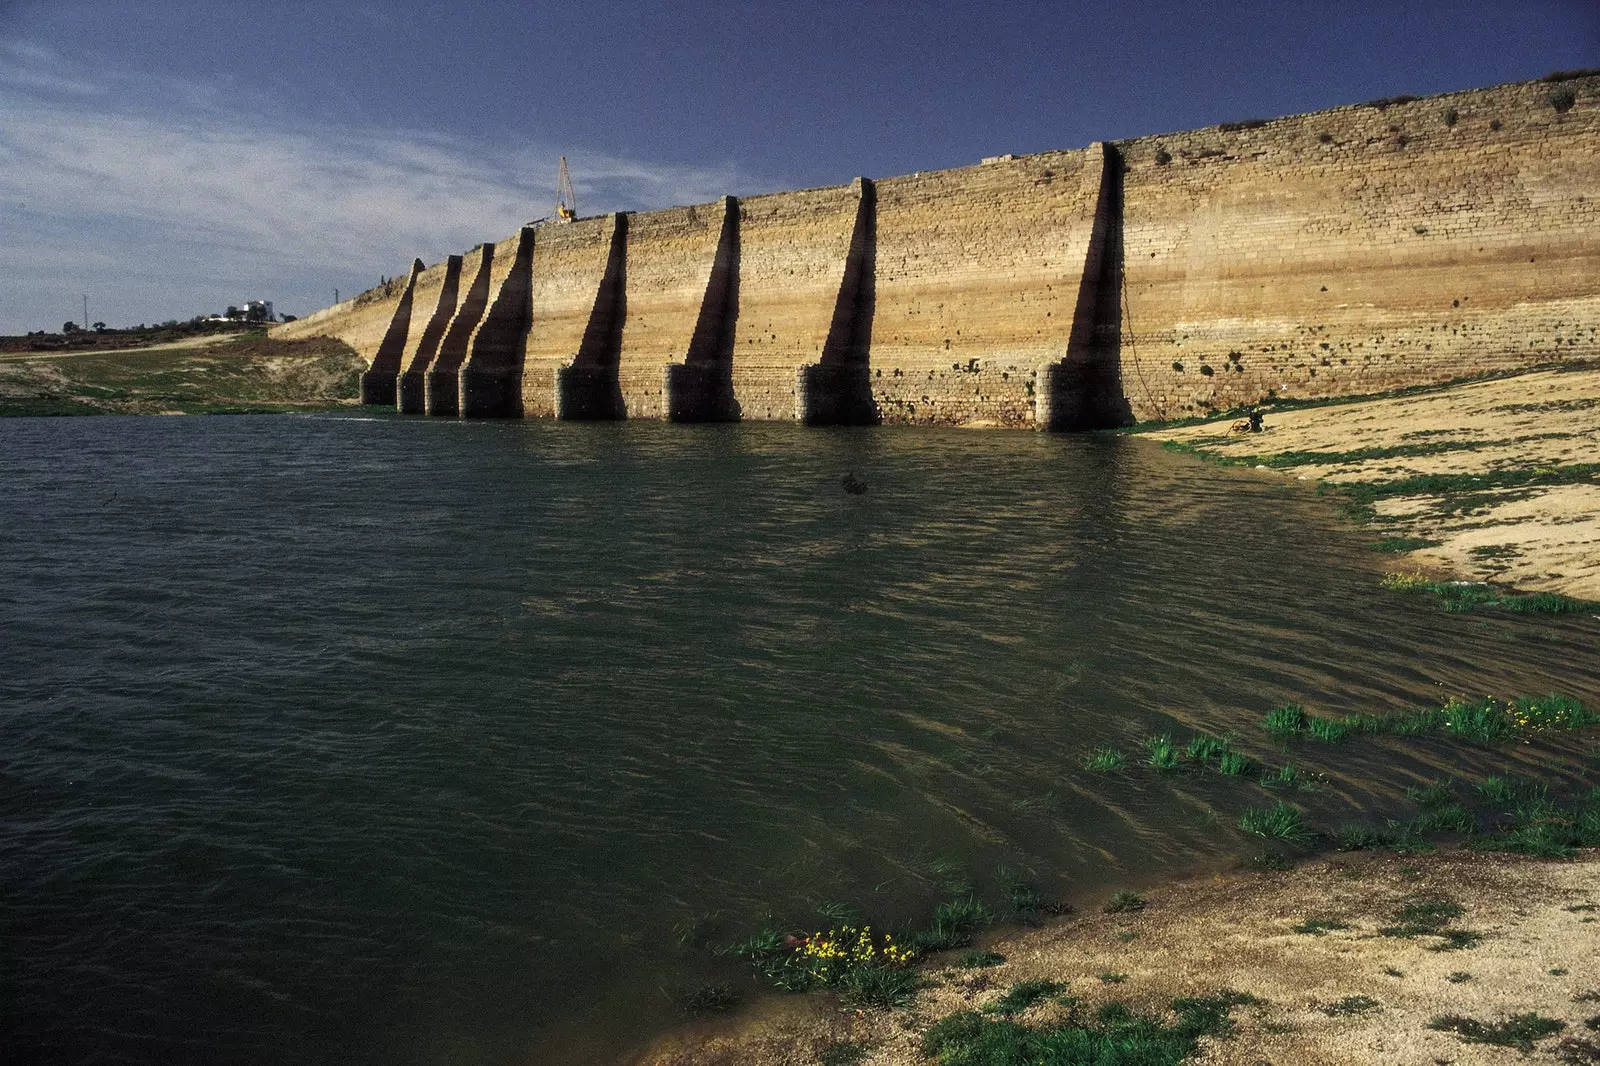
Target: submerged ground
[1495,480]
[440,592]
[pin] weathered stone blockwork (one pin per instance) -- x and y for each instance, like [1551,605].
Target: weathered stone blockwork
[1343,252]
[1362,248]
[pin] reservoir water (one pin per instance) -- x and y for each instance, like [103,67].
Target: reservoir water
[348,739]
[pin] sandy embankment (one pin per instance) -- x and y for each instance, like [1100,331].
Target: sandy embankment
[1540,952]
[1543,538]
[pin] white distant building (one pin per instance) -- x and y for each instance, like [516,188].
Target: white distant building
[249,311]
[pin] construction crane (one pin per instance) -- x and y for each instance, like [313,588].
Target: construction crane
[566,199]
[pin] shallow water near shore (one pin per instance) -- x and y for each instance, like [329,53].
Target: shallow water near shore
[372,739]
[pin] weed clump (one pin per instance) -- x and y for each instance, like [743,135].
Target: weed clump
[1022,996]
[865,966]
[1116,1035]
[1518,1031]
[1124,903]
[1320,926]
[1104,760]
[1351,1005]
[1484,720]
[1541,828]
[1281,821]
[1287,721]
[974,960]
[953,924]
[1161,753]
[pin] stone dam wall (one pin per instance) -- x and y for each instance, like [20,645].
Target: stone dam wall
[1343,252]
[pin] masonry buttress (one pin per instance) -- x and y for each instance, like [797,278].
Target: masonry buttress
[587,389]
[491,378]
[1084,390]
[837,389]
[700,389]
[379,382]
[411,389]
[443,391]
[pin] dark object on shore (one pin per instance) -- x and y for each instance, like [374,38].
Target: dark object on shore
[1251,423]
[852,484]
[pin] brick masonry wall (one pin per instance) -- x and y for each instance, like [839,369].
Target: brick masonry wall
[1360,249]
[568,263]
[977,275]
[670,254]
[792,249]
[1347,251]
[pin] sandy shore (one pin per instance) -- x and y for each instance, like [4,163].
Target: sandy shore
[1535,537]
[1345,996]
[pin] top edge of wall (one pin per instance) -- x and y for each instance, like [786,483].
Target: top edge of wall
[1382,104]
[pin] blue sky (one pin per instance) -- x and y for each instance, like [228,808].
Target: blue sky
[168,159]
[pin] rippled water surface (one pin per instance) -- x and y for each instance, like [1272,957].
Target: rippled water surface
[414,741]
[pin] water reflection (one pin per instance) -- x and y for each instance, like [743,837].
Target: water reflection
[406,741]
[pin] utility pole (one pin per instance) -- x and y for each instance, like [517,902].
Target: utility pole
[335,295]
[85,310]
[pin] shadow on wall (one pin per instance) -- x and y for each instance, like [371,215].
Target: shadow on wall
[700,389]
[587,389]
[1084,391]
[837,389]
[410,388]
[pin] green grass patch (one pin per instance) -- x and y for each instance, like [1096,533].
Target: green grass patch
[1281,821]
[1161,753]
[1023,995]
[1116,1036]
[1451,819]
[1436,794]
[1351,1005]
[1124,903]
[878,987]
[1286,721]
[1539,827]
[708,999]
[1519,1031]
[1104,760]
[1431,916]
[1320,926]
[974,960]
[1484,720]
[954,922]
[1204,748]
[1234,764]
[847,1053]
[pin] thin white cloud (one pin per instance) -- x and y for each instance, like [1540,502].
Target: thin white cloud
[97,174]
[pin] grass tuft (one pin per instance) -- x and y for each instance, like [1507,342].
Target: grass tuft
[1286,721]
[1281,821]
[973,960]
[1519,1031]
[1124,903]
[953,924]
[1161,753]
[847,1053]
[878,987]
[1023,995]
[1104,760]
[1321,926]
[1351,1005]
[1234,764]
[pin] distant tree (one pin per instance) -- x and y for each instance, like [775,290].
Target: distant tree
[287,318]
[231,313]
[99,327]
[69,327]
